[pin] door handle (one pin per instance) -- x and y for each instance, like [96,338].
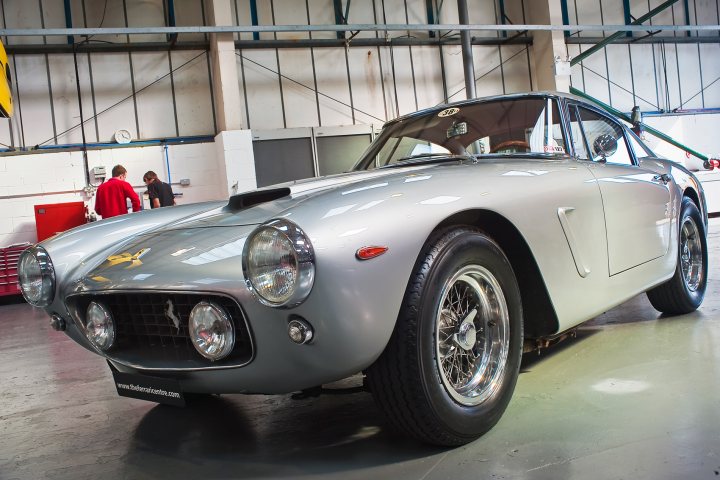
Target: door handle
[663,178]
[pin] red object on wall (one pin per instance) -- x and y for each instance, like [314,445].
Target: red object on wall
[8,269]
[57,217]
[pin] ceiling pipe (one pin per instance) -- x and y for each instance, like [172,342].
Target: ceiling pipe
[68,20]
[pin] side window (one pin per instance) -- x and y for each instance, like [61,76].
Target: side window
[558,139]
[578,139]
[640,149]
[546,135]
[605,138]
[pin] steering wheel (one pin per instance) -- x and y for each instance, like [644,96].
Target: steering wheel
[518,144]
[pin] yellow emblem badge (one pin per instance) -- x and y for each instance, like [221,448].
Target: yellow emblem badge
[126,257]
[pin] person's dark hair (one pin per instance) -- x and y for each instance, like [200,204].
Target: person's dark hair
[118,170]
[149,175]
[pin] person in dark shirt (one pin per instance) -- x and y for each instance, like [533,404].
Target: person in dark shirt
[160,193]
[111,197]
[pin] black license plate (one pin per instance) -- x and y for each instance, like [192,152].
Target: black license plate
[154,389]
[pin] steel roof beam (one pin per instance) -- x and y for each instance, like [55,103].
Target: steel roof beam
[664,6]
[28,49]
[31,32]
[651,39]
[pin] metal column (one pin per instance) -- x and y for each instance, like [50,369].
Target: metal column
[466,42]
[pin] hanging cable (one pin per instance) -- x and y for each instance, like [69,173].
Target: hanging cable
[102,20]
[703,89]
[663,64]
[619,86]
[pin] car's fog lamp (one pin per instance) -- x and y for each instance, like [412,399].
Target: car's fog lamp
[99,326]
[300,331]
[211,331]
[36,277]
[279,264]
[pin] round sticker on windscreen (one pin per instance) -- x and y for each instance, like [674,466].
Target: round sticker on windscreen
[448,112]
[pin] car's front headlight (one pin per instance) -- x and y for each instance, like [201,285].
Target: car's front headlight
[279,264]
[36,277]
[211,331]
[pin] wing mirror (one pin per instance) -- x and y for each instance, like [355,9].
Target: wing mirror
[605,145]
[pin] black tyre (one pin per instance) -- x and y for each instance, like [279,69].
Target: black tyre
[685,291]
[451,365]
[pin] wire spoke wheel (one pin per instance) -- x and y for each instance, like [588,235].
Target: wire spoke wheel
[472,335]
[449,370]
[691,254]
[684,292]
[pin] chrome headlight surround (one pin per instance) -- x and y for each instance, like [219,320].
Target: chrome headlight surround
[99,326]
[279,264]
[211,331]
[36,277]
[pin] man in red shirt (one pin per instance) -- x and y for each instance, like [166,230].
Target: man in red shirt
[110,199]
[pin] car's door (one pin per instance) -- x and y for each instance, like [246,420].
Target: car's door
[636,200]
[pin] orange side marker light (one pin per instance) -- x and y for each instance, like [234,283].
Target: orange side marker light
[366,253]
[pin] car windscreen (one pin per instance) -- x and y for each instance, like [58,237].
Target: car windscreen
[509,126]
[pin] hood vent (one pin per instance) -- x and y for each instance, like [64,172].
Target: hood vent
[250,199]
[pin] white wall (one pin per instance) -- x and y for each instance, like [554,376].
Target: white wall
[653,76]
[46,88]
[700,131]
[36,179]
[382,83]
[279,85]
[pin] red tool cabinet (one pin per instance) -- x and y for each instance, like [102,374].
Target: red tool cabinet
[57,217]
[8,269]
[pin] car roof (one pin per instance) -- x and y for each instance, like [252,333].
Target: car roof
[474,101]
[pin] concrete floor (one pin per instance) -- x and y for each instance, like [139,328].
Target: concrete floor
[635,396]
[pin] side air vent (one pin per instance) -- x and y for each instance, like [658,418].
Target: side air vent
[249,199]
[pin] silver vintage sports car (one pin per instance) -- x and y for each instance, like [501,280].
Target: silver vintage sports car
[465,235]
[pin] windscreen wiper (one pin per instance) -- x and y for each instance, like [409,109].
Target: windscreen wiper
[427,158]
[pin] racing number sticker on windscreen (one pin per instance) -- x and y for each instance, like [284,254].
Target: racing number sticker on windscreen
[448,112]
[554,149]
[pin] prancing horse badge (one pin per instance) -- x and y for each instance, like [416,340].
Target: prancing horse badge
[170,313]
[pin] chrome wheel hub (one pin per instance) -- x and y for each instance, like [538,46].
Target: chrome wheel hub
[466,336]
[472,335]
[691,254]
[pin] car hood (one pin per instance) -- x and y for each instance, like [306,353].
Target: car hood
[189,259]
[258,206]
[205,249]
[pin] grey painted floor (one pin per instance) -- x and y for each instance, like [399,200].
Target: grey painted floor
[635,396]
